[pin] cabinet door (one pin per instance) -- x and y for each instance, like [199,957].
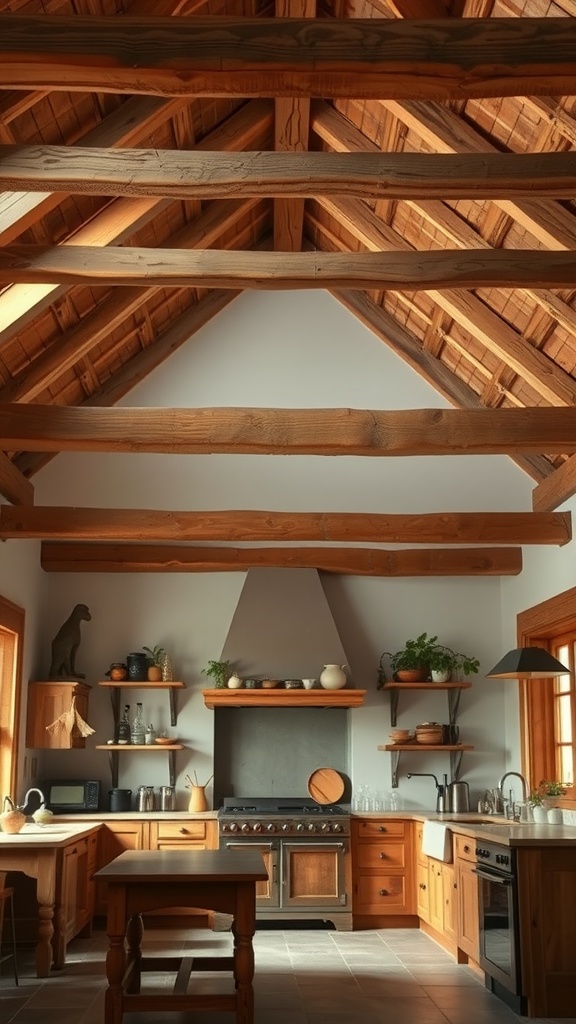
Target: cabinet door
[113,839]
[314,873]
[47,702]
[468,934]
[423,892]
[450,895]
[268,892]
[436,895]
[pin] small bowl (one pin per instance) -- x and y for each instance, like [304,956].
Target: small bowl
[292,684]
[400,735]
[164,740]
[269,684]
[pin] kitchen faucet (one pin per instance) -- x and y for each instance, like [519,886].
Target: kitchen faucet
[40,794]
[441,788]
[511,806]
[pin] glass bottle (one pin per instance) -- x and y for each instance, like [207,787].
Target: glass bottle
[150,735]
[138,729]
[124,726]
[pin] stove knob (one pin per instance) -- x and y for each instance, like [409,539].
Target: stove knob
[245,827]
[270,827]
[257,826]
[337,827]
[299,827]
[325,827]
[232,828]
[224,828]
[311,827]
[285,827]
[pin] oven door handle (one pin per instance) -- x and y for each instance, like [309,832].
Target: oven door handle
[483,873]
[253,842]
[327,842]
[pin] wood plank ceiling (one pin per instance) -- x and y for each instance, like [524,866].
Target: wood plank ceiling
[434,198]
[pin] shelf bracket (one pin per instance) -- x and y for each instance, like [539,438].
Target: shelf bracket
[394,694]
[115,702]
[172,766]
[395,761]
[173,711]
[455,762]
[113,759]
[453,703]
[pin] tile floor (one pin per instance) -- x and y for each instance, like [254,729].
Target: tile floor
[311,976]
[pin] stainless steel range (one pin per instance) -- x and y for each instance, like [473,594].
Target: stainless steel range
[306,848]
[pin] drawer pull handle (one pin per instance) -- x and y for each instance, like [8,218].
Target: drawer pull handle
[422,885]
[466,849]
[382,856]
[382,828]
[184,831]
[383,892]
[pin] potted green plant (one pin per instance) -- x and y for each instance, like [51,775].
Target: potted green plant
[411,663]
[156,656]
[445,664]
[219,672]
[549,791]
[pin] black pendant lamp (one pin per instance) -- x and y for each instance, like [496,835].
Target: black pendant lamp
[528,663]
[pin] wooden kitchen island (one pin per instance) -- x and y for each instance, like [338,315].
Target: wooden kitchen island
[61,858]
[143,880]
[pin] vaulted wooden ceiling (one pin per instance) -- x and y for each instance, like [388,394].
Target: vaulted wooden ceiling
[414,157]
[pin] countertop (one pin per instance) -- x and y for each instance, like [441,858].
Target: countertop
[104,816]
[496,829]
[54,834]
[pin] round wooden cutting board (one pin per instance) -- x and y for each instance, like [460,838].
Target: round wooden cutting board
[326,786]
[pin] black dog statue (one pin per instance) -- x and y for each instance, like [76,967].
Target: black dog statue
[66,643]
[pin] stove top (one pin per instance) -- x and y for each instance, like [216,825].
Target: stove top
[277,805]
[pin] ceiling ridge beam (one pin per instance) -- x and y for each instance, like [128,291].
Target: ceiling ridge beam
[194,174]
[413,270]
[441,59]
[118,524]
[59,557]
[225,430]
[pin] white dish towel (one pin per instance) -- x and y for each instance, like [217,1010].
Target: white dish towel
[437,841]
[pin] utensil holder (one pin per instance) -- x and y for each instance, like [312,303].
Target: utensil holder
[197,800]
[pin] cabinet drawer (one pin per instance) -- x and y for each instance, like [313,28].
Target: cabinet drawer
[465,847]
[381,893]
[182,830]
[379,827]
[381,855]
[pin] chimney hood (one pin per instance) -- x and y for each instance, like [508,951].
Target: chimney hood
[283,627]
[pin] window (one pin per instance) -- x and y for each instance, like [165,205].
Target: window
[548,706]
[11,641]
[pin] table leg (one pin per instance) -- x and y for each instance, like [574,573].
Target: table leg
[48,944]
[134,933]
[115,966]
[243,928]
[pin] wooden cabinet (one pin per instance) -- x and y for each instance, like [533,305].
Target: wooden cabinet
[382,870]
[467,925]
[450,898]
[436,895]
[47,701]
[114,838]
[172,835]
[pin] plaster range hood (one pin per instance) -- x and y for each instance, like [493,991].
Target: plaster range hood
[283,628]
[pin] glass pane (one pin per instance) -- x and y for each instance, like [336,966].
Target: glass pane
[564,719]
[562,683]
[566,765]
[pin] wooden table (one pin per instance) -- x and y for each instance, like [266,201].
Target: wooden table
[44,856]
[144,880]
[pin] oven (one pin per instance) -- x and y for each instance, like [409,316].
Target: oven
[306,849]
[499,929]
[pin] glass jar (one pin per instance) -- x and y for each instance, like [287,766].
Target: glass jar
[138,734]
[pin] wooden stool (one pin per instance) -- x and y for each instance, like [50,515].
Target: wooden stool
[7,896]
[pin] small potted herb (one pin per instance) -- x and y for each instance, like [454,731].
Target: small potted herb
[411,663]
[156,656]
[445,664]
[219,671]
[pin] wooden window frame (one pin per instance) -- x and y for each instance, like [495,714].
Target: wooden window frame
[12,618]
[536,627]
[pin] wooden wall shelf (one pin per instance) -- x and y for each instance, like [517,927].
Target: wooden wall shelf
[453,695]
[280,698]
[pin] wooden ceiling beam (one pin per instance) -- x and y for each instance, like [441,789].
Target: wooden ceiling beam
[209,268]
[213,175]
[260,431]
[13,485]
[556,489]
[440,59]
[242,525]
[60,557]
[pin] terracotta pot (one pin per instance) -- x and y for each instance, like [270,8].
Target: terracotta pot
[411,675]
[154,673]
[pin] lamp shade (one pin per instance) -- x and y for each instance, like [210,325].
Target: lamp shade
[527,663]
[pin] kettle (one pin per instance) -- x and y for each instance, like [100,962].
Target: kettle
[458,797]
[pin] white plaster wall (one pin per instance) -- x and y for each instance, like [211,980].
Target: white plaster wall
[294,350]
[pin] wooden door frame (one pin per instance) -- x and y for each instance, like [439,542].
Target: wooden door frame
[12,618]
